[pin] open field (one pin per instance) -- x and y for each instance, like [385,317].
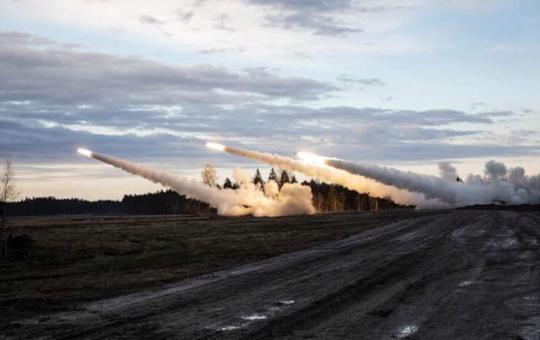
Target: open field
[435,275]
[83,258]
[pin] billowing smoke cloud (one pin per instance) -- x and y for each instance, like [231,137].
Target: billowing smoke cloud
[448,171]
[516,188]
[495,170]
[292,199]
[315,167]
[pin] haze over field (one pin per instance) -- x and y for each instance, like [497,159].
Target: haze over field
[406,84]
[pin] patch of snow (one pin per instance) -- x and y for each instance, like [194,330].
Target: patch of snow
[287,302]
[254,317]
[407,330]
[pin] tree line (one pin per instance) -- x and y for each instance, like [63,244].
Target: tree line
[157,203]
[326,198]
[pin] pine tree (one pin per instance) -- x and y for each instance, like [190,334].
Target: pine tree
[321,203]
[331,199]
[340,201]
[258,180]
[227,184]
[272,176]
[283,178]
[293,179]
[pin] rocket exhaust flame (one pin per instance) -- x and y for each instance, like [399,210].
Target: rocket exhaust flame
[292,199]
[215,146]
[85,152]
[311,158]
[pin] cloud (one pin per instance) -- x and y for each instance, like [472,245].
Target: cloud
[54,98]
[348,78]
[317,17]
[184,16]
[263,28]
[32,142]
[221,50]
[55,74]
[222,22]
[326,6]
[306,5]
[48,134]
[412,117]
[317,24]
[147,19]
[322,17]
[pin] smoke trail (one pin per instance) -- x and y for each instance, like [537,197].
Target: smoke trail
[314,166]
[517,188]
[293,199]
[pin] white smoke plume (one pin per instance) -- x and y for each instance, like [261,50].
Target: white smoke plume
[498,184]
[292,199]
[448,171]
[314,166]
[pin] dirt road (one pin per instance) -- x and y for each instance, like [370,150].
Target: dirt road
[462,275]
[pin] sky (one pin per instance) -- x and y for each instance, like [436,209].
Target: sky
[401,83]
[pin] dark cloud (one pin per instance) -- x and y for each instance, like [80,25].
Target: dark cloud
[376,134]
[420,118]
[53,74]
[317,16]
[325,6]
[317,24]
[306,5]
[37,143]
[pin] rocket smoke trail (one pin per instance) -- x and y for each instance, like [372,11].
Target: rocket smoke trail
[314,166]
[249,199]
[405,187]
[499,184]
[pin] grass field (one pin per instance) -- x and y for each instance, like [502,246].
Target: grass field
[83,258]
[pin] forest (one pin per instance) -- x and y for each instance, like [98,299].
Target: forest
[326,198]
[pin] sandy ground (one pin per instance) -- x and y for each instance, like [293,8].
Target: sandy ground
[462,275]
